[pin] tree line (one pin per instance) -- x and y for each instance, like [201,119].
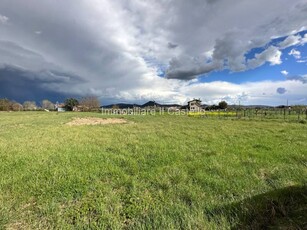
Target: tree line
[89,103]
[222,105]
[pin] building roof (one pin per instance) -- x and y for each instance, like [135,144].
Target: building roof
[198,100]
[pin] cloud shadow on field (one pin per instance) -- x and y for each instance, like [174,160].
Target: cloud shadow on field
[284,208]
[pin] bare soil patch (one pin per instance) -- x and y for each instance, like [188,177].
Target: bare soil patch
[95,121]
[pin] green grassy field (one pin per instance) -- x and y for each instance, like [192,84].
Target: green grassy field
[154,172]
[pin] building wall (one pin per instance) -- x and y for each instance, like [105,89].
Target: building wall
[194,106]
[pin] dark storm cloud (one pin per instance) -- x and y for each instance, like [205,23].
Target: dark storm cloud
[301,78]
[79,38]
[281,90]
[186,69]
[14,54]
[171,45]
[21,85]
[104,42]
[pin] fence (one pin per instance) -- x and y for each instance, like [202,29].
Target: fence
[272,113]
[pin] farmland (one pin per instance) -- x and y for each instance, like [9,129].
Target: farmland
[151,172]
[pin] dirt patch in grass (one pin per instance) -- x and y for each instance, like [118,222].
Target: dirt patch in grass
[96,121]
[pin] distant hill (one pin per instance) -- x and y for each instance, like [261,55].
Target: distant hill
[121,106]
[153,103]
[147,104]
[250,106]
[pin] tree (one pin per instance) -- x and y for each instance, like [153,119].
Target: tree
[212,107]
[29,105]
[90,103]
[115,107]
[16,106]
[70,103]
[223,105]
[46,104]
[5,104]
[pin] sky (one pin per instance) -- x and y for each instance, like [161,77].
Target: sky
[169,51]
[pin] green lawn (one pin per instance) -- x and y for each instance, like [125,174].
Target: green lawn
[154,172]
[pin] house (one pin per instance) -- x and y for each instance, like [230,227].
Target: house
[78,108]
[60,107]
[195,105]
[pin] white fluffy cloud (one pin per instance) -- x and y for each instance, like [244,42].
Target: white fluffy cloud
[117,47]
[293,40]
[290,41]
[263,92]
[271,55]
[284,72]
[295,53]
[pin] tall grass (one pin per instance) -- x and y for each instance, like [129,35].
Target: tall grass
[154,172]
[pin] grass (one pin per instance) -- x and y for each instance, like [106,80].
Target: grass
[154,172]
[212,114]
